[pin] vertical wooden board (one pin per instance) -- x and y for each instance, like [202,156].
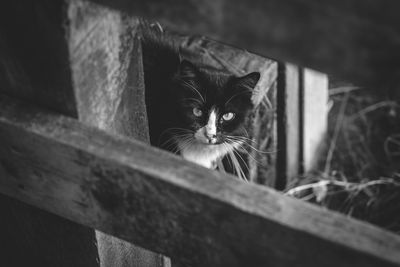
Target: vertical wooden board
[34,65]
[315,116]
[262,160]
[131,117]
[288,113]
[98,69]
[107,72]
[34,61]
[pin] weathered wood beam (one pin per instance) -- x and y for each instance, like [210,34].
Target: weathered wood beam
[315,118]
[357,40]
[107,73]
[163,203]
[35,66]
[34,56]
[288,124]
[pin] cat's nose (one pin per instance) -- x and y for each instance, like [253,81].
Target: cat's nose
[212,138]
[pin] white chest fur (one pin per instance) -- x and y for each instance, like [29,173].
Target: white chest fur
[203,154]
[203,149]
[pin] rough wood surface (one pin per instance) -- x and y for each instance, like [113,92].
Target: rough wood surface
[288,119]
[34,60]
[106,64]
[302,121]
[357,40]
[315,117]
[159,201]
[34,65]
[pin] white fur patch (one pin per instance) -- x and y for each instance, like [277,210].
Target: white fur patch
[202,149]
[207,134]
[211,127]
[204,154]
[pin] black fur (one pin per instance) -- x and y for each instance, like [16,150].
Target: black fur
[170,97]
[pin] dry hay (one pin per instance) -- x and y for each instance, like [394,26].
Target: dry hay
[360,173]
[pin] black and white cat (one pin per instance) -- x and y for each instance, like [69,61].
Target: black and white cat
[195,111]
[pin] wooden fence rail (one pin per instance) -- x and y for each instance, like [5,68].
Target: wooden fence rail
[81,61]
[160,202]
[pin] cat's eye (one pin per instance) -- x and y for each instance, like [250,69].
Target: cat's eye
[228,116]
[197,112]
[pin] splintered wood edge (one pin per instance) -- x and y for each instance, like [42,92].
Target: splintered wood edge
[161,202]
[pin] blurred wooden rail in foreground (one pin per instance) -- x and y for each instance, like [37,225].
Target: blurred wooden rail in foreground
[158,201]
[72,94]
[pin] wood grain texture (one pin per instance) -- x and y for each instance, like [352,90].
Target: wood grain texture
[288,119]
[34,65]
[34,59]
[106,64]
[315,117]
[161,202]
[357,40]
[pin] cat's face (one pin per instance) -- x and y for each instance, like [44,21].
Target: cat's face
[213,107]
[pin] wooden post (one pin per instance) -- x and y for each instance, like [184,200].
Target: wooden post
[315,117]
[34,65]
[289,120]
[106,63]
[302,121]
[81,60]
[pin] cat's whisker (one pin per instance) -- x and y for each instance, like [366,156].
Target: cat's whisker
[242,138]
[235,95]
[193,88]
[249,155]
[238,169]
[227,150]
[185,143]
[168,141]
[171,131]
[251,146]
[245,130]
[239,145]
[244,162]
[192,99]
[234,161]
[173,138]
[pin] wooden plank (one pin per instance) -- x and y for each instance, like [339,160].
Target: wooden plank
[302,121]
[315,117]
[34,65]
[36,62]
[289,119]
[356,40]
[107,72]
[163,203]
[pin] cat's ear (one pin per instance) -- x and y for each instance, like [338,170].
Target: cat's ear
[187,70]
[248,81]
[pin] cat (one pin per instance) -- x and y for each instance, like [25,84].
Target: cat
[198,112]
